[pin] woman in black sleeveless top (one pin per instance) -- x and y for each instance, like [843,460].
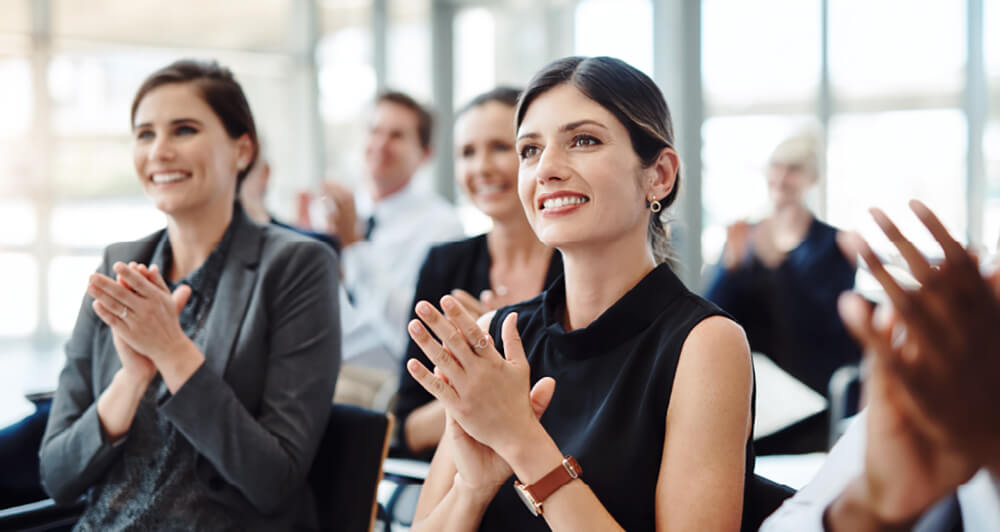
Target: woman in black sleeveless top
[655,384]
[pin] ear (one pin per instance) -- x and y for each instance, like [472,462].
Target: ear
[663,173]
[245,150]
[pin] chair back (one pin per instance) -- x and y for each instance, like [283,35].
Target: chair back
[348,467]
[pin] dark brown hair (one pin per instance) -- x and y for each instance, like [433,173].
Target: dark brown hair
[635,101]
[425,120]
[502,94]
[221,92]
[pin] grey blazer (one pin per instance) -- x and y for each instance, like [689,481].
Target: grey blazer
[255,410]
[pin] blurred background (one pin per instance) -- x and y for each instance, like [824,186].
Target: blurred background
[901,89]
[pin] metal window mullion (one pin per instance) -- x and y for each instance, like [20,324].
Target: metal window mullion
[977,113]
[824,103]
[42,139]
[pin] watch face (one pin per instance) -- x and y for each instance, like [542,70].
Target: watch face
[526,498]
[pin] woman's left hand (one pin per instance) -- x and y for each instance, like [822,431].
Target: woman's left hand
[143,312]
[485,393]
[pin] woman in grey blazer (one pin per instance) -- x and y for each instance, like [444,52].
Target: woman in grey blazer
[199,374]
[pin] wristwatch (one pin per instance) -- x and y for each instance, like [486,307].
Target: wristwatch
[535,494]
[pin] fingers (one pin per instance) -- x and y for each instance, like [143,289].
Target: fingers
[434,385]
[468,301]
[437,353]
[541,395]
[153,275]
[489,299]
[136,281]
[512,346]
[112,294]
[180,296]
[472,334]
[954,253]
[109,317]
[914,258]
[446,331]
[889,284]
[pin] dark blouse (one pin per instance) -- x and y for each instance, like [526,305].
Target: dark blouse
[789,313]
[613,384]
[464,265]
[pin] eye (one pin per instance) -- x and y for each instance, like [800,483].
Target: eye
[185,130]
[585,140]
[502,146]
[468,151]
[143,134]
[528,151]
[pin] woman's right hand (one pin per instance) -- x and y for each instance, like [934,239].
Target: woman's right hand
[479,467]
[134,364]
[737,244]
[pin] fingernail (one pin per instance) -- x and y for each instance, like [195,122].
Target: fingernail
[447,303]
[416,328]
[423,308]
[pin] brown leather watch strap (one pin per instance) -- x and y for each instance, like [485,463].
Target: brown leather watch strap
[564,473]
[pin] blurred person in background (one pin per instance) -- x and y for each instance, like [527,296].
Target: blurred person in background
[506,265]
[780,279]
[385,230]
[200,370]
[924,455]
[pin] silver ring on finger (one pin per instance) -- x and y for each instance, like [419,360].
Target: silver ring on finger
[485,341]
[124,313]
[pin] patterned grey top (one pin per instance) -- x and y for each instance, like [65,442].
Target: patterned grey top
[152,486]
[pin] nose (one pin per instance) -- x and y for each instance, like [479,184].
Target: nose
[482,164]
[162,149]
[551,165]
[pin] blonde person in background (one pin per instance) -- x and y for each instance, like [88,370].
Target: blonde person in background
[199,374]
[506,265]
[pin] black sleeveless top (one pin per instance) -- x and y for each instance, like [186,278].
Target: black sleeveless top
[613,384]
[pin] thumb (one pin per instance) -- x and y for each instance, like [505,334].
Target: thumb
[512,346]
[541,395]
[181,296]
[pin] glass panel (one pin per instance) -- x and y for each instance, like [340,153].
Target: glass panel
[886,159]
[17,222]
[19,286]
[409,53]
[991,210]
[760,52]
[94,167]
[15,16]
[897,48]
[232,25]
[475,54]
[618,28]
[735,154]
[97,223]
[17,101]
[67,285]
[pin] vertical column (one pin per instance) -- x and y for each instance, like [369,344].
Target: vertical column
[42,139]
[380,44]
[976,114]
[677,70]
[306,120]
[443,86]
[824,107]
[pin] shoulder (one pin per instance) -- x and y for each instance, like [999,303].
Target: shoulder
[449,251]
[528,312]
[281,246]
[141,249]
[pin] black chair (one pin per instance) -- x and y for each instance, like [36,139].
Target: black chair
[348,467]
[762,498]
[344,478]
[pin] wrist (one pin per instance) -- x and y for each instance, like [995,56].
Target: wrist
[474,495]
[133,383]
[531,455]
[179,364]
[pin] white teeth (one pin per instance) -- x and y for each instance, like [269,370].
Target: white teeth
[561,201]
[168,178]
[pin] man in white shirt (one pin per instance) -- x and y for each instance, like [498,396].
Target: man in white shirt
[930,435]
[386,230]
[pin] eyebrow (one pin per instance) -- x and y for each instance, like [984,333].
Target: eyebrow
[172,122]
[567,127]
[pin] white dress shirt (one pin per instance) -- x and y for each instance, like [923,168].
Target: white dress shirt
[380,274]
[979,498]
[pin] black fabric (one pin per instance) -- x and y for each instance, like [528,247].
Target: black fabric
[369,227]
[464,265]
[790,312]
[19,443]
[329,240]
[613,384]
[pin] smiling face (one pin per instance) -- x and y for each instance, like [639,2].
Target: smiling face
[486,164]
[787,183]
[183,156]
[393,152]
[580,180]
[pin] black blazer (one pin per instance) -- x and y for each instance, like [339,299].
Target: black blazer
[255,410]
[464,265]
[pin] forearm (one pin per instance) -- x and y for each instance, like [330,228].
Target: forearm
[572,507]
[853,512]
[461,509]
[117,405]
[424,427]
